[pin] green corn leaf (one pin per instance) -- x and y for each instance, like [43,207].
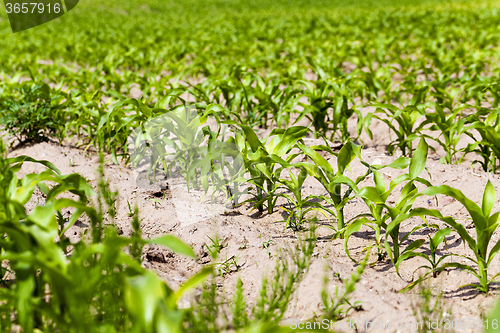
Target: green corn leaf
[414,245]
[409,254]
[22,159]
[252,138]
[494,250]
[413,284]
[399,163]
[379,181]
[371,194]
[489,197]
[419,159]
[283,143]
[346,155]
[193,282]
[394,225]
[474,210]
[353,227]
[418,96]
[44,216]
[319,160]
[173,243]
[439,237]
[448,220]
[142,296]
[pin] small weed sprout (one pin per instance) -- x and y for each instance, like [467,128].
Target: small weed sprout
[228,266]
[338,306]
[266,245]
[431,313]
[156,202]
[216,246]
[244,244]
[130,210]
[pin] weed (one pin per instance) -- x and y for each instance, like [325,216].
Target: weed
[431,313]
[266,245]
[130,210]
[156,202]
[216,246]
[338,306]
[228,266]
[276,294]
[213,311]
[244,245]
[35,113]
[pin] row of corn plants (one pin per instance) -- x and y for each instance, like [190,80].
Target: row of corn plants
[274,168]
[33,111]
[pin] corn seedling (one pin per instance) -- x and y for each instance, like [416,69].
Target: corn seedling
[488,148]
[406,118]
[451,128]
[435,266]
[333,180]
[298,206]
[485,224]
[265,163]
[383,216]
[327,113]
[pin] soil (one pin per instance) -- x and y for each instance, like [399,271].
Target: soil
[255,239]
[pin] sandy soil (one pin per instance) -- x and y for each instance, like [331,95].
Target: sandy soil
[244,231]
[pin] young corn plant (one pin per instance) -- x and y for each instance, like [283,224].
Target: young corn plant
[327,113]
[435,265]
[264,162]
[450,127]
[406,118]
[171,140]
[318,106]
[333,180]
[489,145]
[382,215]
[485,224]
[299,206]
[444,96]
